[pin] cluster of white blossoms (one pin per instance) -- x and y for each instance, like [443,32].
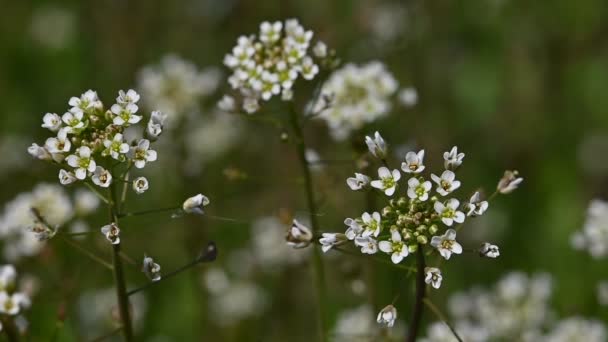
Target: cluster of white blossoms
[89,141]
[176,86]
[270,63]
[516,309]
[594,235]
[12,302]
[354,96]
[21,228]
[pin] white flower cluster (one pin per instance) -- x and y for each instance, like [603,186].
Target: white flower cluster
[270,63]
[176,86]
[355,95]
[89,139]
[22,231]
[516,309]
[594,235]
[12,302]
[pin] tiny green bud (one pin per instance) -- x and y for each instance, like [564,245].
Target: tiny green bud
[433,229]
[423,240]
[402,202]
[412,248]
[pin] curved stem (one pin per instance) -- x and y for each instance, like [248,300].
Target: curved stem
[317,264]
[442,317]
[418,303]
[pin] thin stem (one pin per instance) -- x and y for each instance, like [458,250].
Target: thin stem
[418,304]
[164,277]
[317,264]
[441,317]
[378,259]
[149,211]
[87,252]
[103,198]
[11,330]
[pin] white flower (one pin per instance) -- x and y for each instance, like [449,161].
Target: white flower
[446,244]
[387,316]
[13,304]
[418,190]
[368,244]
[112,233]
[131,96]
[195,204]
[331,239]
[372,224]
[489,250]
[116,147]
[141,154]
[447,183]
[308,68]
[124,114]
[140,185]
[102,177]
[449,212]
[509,182]
[452,159]
[376,146]
[354,228]
[475,206]
[227,104]
[395,247]
[155,124]
[408,97]
[66,178]
[298,235]
[73,121]
[86,101]
[388,180]
[433,276]
[51,121]
[413,162]
[59,144]
[8,278]
[39,152]
[320,50]
[151,269]
[251,105]
[358,182]
[270,33]
[594,235]
[82,162]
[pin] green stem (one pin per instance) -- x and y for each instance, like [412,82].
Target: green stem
[416,317]
[441,317]
[86,252]
[103,198]
[150,211]
[11,330]
[317,262]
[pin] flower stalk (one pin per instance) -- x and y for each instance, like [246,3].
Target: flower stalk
[416,317]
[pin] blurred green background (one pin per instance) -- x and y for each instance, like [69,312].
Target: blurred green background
[514,84]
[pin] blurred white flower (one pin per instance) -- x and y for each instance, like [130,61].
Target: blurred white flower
[509,182]
[12,304]
[227,104]
[195,204]
[446,244]
[298,235]
[578,329]
[268,245]
[151,269]
[355,325]
[408,97]
[593,237]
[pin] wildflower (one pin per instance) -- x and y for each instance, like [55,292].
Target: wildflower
[51,121]
[594,235]
[308,68]
[251,105]
[413,162]
[388,180]
[387,316]
[102,177]
[82,162]
[85,102]
[227,104]
[376,146]
[116,147]
[124,111]
[141,154]
[372,224]
[509,182]
[433,276]
[59,144]
[112,233]
[151,269]
[368,244]
[140,185]
[298,236]
[331,239]
[395,246]
[489,250]
[358,182]
[66,178]
[195,204]
[131,96]
[12,304]
[418,190]
[475,206]
[73,121]
[446,244]
[155,125]
[447,183]
[452,159]
[354,228]
[408,97]
[39,152]
[320,50]
[42,231]
[270,33]
[449,211]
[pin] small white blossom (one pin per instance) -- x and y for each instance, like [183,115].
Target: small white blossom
[308,68]
[102,177]
[51,121]
[376,146]
[116,147]
[140,185]
[489,250]
[195,204]
[475,206]
[449,212]
[446,244]
[509,182]
[413,162]
[66,178]
[12,304]
[82,162]
[331,239]
[227,104]
[433,276]
[156,124]
[142,154]
[59,144]
[388,180]
[73,121]
[85,102]
[112,233]
[354,228]
[151,269]
[270,33]
[131,96]
[251,105]
[39,152]
[368,244]
[452,159]
[418,190]
[358,182]
[124,111]
[395,247]
[387,316]
[408,97]
[320,50]
[446,183]
[298,235]
[372,224]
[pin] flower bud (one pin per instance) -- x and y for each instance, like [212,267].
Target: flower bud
[509,182]
[298,236]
